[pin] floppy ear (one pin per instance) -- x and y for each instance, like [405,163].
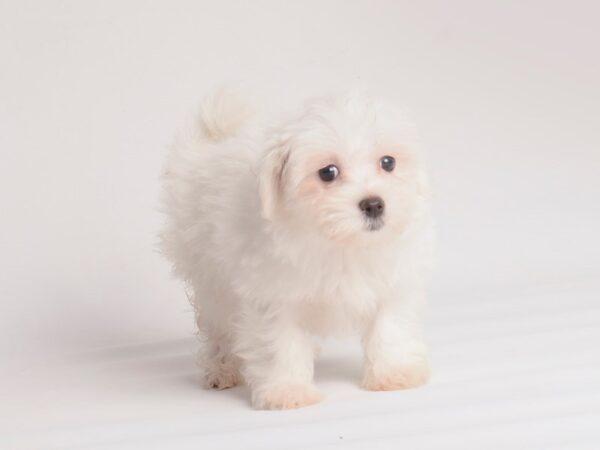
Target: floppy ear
[271,179]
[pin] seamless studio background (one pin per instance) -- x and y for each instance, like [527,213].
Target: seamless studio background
[97,339]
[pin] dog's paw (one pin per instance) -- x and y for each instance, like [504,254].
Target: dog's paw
[403,376]
[221,379]
[286,396]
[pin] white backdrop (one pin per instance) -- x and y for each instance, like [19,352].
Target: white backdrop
[506,95]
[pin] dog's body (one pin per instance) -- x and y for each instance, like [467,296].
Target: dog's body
[298,231]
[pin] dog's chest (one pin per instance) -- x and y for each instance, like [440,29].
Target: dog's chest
[340,298]
[343,306]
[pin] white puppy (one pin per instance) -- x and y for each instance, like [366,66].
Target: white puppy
[319,226]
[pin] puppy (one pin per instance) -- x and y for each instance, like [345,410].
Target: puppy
[319,226]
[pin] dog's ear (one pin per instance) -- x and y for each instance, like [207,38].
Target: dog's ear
[271,180]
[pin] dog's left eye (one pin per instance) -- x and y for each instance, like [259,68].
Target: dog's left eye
[329,173]
[387,163]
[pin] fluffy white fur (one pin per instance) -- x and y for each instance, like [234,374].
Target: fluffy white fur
[275,256]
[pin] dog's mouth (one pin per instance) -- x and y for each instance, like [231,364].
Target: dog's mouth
[374,224]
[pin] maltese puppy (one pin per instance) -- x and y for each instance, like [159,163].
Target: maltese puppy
[318,226]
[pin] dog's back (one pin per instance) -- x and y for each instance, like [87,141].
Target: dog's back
[204,170]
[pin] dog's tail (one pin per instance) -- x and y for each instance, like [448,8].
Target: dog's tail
[224,114]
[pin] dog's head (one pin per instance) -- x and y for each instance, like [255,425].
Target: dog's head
[348,168]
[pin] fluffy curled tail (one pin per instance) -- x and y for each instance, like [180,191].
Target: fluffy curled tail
[223,114]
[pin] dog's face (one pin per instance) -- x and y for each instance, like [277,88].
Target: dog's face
[348,169]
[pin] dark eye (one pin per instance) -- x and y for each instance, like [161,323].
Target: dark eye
[329,173]
[387,163]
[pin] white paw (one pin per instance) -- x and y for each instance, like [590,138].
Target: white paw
[285,396]
[221,379]
[392,378]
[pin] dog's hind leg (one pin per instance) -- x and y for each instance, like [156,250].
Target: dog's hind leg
[220,367]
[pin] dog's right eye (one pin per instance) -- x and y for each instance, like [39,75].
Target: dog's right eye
[329,173]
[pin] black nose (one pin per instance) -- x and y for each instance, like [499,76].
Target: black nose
[372,206]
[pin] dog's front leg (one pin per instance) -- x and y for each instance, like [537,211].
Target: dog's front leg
[278,359]
[395,351]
